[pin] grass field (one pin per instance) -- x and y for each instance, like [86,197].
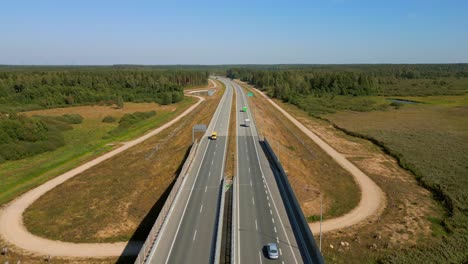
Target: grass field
[430,140]
[119,199]
[308,167]
[82,143]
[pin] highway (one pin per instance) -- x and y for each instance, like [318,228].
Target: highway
[189,233]
[260,215]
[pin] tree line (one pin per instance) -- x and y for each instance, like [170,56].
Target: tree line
[288,82]
[35,88]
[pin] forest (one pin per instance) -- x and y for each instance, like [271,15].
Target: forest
[288,83]
[31,88]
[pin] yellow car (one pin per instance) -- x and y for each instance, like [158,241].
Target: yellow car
[213,136]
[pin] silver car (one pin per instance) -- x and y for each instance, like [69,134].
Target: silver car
[272,250]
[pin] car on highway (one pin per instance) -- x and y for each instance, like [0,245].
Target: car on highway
[213,135]
[272,250]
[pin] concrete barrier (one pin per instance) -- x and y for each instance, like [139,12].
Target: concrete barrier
[234,220]
[156,229]
[219,223]
[306,242]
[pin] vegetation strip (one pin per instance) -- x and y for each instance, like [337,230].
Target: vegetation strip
[231,151]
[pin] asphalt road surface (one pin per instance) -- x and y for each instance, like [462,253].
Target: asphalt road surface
[260,212]
[189,234]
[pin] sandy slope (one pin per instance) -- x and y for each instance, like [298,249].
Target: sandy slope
[11,216]
[372,197]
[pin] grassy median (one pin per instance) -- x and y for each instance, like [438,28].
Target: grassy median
[230,168]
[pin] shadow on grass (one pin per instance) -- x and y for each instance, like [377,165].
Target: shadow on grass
[143,229]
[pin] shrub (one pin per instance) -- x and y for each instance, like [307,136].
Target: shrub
[109,119]
[19,146]
[396,105]
[128,120]
[73,118]
[166,98]
[58,122]
[22,136]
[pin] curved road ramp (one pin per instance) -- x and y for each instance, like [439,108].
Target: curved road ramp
[264,208]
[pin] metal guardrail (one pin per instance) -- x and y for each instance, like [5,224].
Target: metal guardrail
[156,229]
[310,251]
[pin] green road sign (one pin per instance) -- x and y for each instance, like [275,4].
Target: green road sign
[250,94]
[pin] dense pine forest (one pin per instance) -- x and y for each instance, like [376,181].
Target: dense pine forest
[26,88]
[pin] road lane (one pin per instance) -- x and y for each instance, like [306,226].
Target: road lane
[189,233]
[261,216]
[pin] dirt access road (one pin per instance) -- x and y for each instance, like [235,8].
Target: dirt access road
[372,197]
[12,228]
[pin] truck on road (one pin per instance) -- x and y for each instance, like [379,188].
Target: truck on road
[244,109]
[247,122]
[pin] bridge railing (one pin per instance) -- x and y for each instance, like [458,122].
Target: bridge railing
[156,229]
[308,248]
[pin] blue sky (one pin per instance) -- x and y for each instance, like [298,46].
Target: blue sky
[233,32]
